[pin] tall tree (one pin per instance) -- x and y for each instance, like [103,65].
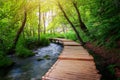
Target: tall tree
[72,25]
[12,49]
[44,22]
[81,23]
[39,24]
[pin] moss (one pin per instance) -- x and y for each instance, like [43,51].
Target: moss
[39,59]
[47,57]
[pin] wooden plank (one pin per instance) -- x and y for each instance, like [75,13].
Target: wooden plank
[75,53]
[74,63]
[78,70]
[64,40]
[71,44]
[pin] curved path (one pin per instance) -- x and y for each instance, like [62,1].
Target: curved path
[74,63]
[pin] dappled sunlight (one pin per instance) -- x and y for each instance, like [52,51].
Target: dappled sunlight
[26,25]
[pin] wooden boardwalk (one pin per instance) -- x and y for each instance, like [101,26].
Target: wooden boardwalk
[74,63]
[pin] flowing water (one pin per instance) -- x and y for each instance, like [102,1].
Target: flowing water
[33,68]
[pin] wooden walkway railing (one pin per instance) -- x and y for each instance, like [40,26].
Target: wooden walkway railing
[74,63]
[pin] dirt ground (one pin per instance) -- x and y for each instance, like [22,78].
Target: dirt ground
[109,57]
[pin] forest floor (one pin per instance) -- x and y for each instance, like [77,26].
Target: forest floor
[107,61]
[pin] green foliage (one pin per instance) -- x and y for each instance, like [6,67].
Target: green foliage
[111,69]
[21,51]
[71,35]
[53,35]
[44,40]
[118,78]
[102,18]
[84,36]
[31,43]
[4,60]
[25,46]
[104,22]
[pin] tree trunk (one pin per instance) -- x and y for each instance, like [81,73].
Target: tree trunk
[44,14]
[12,49]
[31,31]
[39,23]
[65,15]
[82,25]
[64,28]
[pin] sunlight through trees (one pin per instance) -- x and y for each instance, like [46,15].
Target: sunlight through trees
[26,24]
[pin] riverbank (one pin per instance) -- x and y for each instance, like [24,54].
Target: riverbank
[107,61]
[33,67]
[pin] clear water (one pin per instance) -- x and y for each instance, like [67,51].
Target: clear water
[32,69]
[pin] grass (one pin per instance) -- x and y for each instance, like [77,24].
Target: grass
[70,35]
[23,52]
[25,46]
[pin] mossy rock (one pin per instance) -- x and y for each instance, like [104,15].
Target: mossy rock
[39,59]
[47,57]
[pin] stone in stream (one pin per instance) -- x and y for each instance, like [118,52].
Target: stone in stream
[39,59]
[47,57]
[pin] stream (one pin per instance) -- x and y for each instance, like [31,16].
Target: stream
[33,68]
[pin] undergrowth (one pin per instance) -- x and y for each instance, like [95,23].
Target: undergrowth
[106,70]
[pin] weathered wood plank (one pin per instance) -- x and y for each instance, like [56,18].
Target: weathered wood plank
[74,63]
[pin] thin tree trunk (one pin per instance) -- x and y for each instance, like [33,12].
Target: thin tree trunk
[39,23]
[30,31]
[12,49]
[63,29]
[65,15]
[82,25]
[27,31]
[63,26]
[44,14]
[21,29]
[33,31]
[54,31]
[51,32]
